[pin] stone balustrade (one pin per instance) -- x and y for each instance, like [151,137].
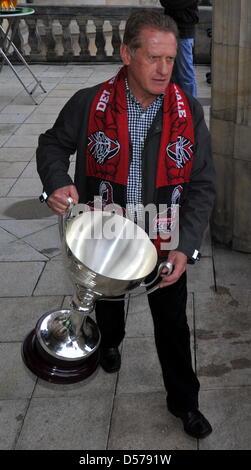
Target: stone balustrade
[63,33]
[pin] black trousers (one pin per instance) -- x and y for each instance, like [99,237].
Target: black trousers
[172,338]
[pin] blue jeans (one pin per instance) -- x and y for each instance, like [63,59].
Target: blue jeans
[183,73]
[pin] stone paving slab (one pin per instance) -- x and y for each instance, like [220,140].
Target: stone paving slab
[54,101]
[6,237]
[31,129]
[22,228]
[20,251]
[6,185]
[140,369]
[54,280]
[139,321]
[36,69]
[42,118]
[20,141]
[47,241]
[141,421]
[11,419]
[12,118]
[65,93]
[16,154]
[223,336]
[4,101]
[6,129]
[99,381]
[12,169]
[46,108]
[67,423]
[19,315]
[229,413]
[15,379]
[23,99]
[4,138]
[224,363]
[232,269]
[200,276]
[223,313]
[24,208]
[12,284]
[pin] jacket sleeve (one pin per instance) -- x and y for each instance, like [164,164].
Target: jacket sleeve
[198,200]
[57,144]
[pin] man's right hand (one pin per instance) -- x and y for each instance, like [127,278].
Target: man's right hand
[58,200]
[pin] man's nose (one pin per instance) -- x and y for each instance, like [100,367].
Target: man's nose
[163,67]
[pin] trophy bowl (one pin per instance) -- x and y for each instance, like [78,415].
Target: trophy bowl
[105,255]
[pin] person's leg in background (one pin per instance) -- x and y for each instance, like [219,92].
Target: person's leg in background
[184,72]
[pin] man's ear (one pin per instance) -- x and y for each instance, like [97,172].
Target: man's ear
[125,54]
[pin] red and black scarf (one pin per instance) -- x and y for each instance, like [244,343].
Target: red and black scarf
[108,149]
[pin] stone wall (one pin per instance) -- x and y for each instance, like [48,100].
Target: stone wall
[231,122]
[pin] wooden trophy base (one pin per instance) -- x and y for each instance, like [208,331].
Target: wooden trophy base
[54,370]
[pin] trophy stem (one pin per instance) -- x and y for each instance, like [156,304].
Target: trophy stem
[84,299]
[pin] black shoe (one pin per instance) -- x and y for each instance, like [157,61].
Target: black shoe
[110,359]
[195,424]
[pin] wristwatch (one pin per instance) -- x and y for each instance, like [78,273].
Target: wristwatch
[43,197]
[196,255]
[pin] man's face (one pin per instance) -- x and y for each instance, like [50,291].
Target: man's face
[150,67]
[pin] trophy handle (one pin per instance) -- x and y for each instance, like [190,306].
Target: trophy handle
[164,264]
[64,219]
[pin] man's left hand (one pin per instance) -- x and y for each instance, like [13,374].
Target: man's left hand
[179,262]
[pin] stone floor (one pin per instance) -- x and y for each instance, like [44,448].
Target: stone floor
[125,410]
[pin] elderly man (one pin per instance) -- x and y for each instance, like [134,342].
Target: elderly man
[141,136]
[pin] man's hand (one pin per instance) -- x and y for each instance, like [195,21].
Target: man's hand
[179,262]
[58,200]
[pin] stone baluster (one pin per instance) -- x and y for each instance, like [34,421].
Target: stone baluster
[33,39]
[231,121]
[100,39]
[57,34]
[17,38]
[115,37]
[66,36]
[49,39]
[83,39]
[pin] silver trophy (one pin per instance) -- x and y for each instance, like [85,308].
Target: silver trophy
[106,255]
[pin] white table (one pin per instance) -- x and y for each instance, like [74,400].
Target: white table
[6,41]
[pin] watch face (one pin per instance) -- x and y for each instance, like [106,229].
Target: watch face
[43,197]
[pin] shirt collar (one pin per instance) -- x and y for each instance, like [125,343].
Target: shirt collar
[131,97]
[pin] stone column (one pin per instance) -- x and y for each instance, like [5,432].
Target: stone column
[231,122]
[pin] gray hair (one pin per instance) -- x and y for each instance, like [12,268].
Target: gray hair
[146,18]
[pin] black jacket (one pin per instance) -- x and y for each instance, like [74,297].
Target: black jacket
[69,135]
[185,13]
